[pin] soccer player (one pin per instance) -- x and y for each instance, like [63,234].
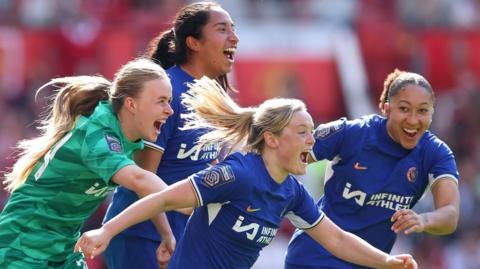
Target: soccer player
[83,152]
[379,168]
[242,200]
[201,42]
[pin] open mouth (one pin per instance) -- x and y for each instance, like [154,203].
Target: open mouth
[230,53]
[410,132]
[157,124]
[304,157]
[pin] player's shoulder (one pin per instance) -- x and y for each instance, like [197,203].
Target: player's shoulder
[102,118]
[244,165]
[293,184]
[368,121]
[231,170]
[368,127]
[352,128]
[93,128]
[431,144]
[97,134]
[328,129]
[179,80]
[241,161]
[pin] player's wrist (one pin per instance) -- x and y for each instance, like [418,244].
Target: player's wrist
[387,261]
[425,222]
[166,234]
[108,230]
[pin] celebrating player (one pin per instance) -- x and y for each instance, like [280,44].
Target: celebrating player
[379,168]
[84,151]
[201,42]
[242,200]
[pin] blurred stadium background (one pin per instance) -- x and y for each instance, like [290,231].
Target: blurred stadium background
[333,54]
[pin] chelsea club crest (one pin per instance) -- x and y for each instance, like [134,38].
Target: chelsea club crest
[412,174]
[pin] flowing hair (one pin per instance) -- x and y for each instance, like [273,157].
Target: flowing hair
[78,96]
[209,106]
[75,96]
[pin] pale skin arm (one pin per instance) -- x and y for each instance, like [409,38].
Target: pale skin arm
[178,195]
[143,183]
[335,240]
[149,159]
[442,220]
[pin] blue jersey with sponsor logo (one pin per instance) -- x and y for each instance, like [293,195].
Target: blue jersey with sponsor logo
[240,211]
[368,178]
[181,158]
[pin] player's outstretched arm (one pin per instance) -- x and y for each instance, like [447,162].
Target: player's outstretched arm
[178,195]
[442,220]
[352,248]
[143,183]
[149,159]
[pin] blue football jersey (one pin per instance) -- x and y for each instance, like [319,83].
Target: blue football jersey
[240,211]
[181,158]
[368,178]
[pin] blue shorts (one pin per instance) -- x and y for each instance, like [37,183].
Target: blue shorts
[126,252]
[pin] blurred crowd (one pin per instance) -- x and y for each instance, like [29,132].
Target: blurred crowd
[42,39]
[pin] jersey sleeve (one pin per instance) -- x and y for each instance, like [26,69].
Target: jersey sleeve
[217,184]
[328,139]
[104,155]
[442,163]
[303,212]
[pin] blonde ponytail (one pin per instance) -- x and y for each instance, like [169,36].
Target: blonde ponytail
[211,107]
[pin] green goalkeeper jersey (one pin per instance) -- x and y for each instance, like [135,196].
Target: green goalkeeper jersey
[44,215]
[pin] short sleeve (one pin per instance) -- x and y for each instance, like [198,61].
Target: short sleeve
[104,155]
[328,139]
[303,212]
[217,184]
[443,163]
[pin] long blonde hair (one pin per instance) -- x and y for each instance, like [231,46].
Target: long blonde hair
[77,96]
[210,107]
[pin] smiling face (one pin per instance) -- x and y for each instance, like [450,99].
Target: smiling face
[409,114]
[152,108]
[294,142]
[216,48]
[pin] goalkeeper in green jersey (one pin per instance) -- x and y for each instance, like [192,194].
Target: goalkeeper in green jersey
[84,151]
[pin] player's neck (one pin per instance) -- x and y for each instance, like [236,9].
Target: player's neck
[276,172]
[126,124]
[196,69]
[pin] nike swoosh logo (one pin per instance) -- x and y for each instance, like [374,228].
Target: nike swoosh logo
[250,209]
[359,167]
